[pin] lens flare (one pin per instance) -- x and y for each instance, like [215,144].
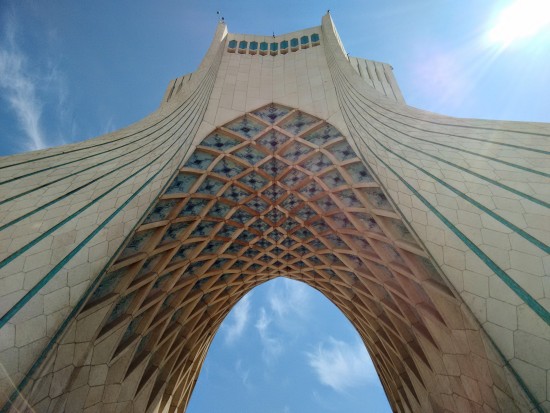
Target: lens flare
[522,19]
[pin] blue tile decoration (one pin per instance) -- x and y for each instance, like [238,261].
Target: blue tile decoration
[294,43]
[175,231]
[193,207]
[274,215]
[254,181]
[291,202]
[273,193]
[349,199]
[137,243]
[226,231]
[322,135]
[304,40]
[303,234]
[377,198]
[253,46]
[266,258]
[359,173]
[161,284]
[317,245]
[311,190]
[342,151]
[184,252]
[219,142]
[200,160]
[210,186]
[161,210]
[227,168]
[335,241]
[263,243]
[274,167]
[246,127]
[275,235]
[273,140]
[317,163]
[246,236]
[315,38]
[326,204]
[289,225]
[298,123]
[121,307]
[288,242]
[306,213]
[296,151]
[271,113]
[367,221]
[284,45]
[257,205]
[243,44]
[400,230]
[363,245]
[241,216]
[132,329]
[251,253]
[219,210]
[107,285]
[250,154]
[212,247]
[293,178]
[203,229]
[149,264]
[333,179]
[182,183]
[315,261]
[236,194]
[260,225]
[392,254]
[218,264]
[341,221]
[319,226]
[234,248]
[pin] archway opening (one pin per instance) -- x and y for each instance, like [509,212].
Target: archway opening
[277,192]
[286,348]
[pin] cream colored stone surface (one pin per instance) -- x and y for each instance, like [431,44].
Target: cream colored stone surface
[472,191]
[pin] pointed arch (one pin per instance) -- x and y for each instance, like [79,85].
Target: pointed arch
[275,192]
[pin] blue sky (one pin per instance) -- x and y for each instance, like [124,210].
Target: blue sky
[74,70]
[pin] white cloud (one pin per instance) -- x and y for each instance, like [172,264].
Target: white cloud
[287,297]
[27,91]
[342,365]
[20,89]
[238,319]
[242,373]
[273,346]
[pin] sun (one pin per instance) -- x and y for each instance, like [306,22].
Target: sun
[521,19]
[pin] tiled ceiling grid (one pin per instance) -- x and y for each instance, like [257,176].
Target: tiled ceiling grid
[276,192]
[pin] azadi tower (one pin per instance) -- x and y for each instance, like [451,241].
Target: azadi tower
[279,156]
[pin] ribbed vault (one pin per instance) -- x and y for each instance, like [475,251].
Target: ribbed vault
[279,192]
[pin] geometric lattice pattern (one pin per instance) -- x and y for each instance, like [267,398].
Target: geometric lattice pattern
[274,193]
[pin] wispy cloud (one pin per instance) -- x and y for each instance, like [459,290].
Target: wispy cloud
[20,88]
[342,365]
[287,297]
[243,373]
[272,346]
[27,91]
[238,319]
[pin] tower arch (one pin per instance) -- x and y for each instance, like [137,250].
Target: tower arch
[276,192]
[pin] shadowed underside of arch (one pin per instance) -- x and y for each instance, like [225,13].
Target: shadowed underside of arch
[278,192]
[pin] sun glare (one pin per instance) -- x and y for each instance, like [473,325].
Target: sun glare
[521,19]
